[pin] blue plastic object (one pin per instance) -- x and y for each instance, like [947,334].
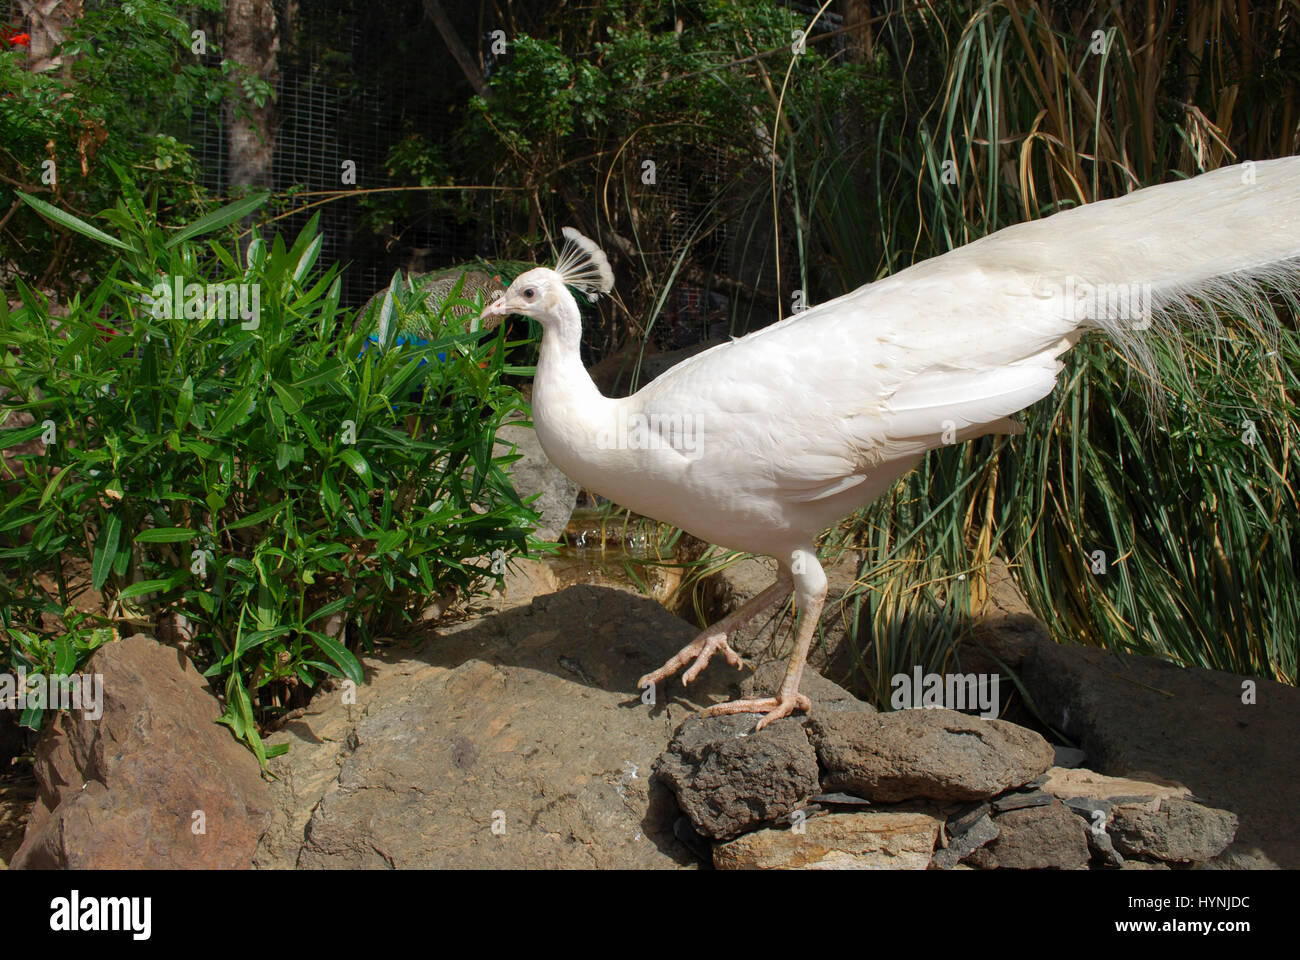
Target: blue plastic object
[400,339]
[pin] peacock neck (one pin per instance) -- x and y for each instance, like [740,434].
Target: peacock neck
[562,381]
[569,413]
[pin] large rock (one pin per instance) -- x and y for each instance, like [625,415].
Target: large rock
[534,473]
[728,780]
[528,721]
[1198,727]
[128,790]
[939,754]
[871,840]
[1180,831]
[1035,838]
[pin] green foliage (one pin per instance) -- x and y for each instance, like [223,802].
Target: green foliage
[543,95]
[1179,543]
[693,88]
[129,82]
[709,81]
[263,474]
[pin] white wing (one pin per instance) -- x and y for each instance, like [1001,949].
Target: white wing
[950,347]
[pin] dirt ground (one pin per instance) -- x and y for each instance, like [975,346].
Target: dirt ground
[17,791]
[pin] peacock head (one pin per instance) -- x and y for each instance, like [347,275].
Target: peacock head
[542,293]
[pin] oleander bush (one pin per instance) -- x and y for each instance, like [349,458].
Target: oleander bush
[241,459]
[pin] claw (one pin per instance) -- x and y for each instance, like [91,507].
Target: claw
[702,649]
[716,644]
[772,708]
[714,639]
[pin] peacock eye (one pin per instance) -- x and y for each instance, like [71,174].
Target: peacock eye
[529,293]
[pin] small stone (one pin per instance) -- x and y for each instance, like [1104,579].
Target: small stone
[982,831]
[1103,849]
[728,780]
[967,818]
[1018,801]
[1068,756]
[1179,832]
[1036,838]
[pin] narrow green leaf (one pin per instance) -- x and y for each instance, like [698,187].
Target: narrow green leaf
[105,551]
[333,607]
[340,654]
[359,466]
[16,435]
[259,517]
[165,535]
[75,224]
[233,412]
[53,485]
[184,403]
[151,586]
[220,218]
[290,397]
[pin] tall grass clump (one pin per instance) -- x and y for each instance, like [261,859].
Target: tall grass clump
[1012,111]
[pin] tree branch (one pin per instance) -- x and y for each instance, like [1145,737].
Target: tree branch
[433,10]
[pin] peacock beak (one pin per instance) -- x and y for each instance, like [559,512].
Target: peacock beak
[498,307]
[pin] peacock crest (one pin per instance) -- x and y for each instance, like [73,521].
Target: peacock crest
[583,265]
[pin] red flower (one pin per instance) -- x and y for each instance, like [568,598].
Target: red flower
[16,39]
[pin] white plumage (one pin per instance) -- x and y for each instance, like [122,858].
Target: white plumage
[762,443]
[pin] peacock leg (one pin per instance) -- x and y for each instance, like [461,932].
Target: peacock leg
[810,596]
[714,638]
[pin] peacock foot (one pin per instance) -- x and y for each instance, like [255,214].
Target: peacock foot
[702,649]
[772,708]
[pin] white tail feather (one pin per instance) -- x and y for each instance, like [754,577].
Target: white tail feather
[1210,245]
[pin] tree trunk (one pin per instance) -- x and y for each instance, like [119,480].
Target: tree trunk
[857,21]
[251,41]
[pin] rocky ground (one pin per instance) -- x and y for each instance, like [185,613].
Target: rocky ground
[516,738]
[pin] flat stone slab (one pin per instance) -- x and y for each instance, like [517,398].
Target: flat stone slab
[514,740]
[979,833]
[937,754]
[870,840]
